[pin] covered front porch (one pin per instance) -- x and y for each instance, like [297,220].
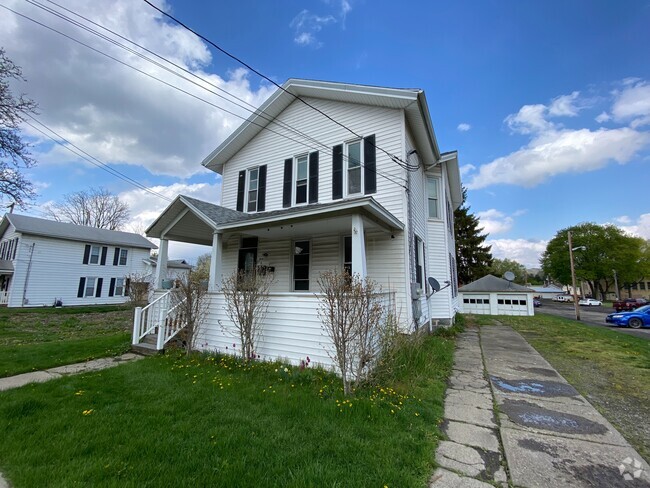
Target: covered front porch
[294,245]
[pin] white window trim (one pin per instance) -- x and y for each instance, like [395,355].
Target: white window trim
[247,189]
[88,278]
[439,188]
[293,255]
[99,254]
[294,181]
[346,160]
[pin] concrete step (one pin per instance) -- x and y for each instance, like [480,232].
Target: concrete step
[150,339]
[146,349]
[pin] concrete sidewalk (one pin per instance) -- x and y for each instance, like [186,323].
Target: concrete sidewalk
[53,373]
[542,433]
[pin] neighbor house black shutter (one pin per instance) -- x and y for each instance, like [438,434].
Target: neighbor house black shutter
[82,285]
[261,189]
[241,188]
[116,256]
[287,182]
[313,177]
[337,172]
[127,286]
[104,252]
[369,165]
[87,254]
[98,292]
[111,287]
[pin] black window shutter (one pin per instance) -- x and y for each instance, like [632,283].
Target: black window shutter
[127,286]
[261,189]
[287,183]
[104,252]
[111,287]
[241,188]
[98,292]
[369,165]
[82,286]
[313,177]
[116,256]
[337,172]
[87,254]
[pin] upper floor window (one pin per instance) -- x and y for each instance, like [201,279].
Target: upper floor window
[251,189]
[123,256]
[302,178]
[353,173]
[251,194]
[95,252]
[432,195]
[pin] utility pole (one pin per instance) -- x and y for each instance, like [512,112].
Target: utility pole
[573,278]
[616,284]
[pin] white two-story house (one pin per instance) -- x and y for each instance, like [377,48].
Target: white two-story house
[326,176]
[43,262]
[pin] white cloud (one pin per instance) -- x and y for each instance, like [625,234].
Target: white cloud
[603,117]
[554,152]
[530,119]
[633,103]
[307,24]
[623,219]
[463,127]
[111,111]
[305,39]
[564,106]
[495,222]
[466,169]
[640,227]
[526,252]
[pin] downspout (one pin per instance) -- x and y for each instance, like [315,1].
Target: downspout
[29,268]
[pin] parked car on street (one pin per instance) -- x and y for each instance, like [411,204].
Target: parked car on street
[563,298]
[537,302]
[629,304]
[636,318]
[590,302]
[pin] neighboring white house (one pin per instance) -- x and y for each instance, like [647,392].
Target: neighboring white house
[363,188]
[547,292]
[176,269]
[43,261]
[495,296]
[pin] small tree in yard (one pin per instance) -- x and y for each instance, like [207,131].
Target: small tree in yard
[351,311]
[189,299]
[247,302]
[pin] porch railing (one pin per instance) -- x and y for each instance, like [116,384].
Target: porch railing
[4,297]
[161,317]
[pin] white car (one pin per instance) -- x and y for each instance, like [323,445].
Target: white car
[588,302]
[563,298]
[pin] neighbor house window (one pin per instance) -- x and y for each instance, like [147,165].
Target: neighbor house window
[94,254]
[432,195]
[119,287]
[301,178]
[90,286]
[123,255]
[253,186]
[301,252]
[353,171]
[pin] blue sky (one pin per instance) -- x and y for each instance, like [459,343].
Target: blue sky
[548,103]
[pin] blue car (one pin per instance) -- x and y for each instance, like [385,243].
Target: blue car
[636,318]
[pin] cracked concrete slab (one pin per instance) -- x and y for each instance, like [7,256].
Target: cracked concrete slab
[470,414]
[443,478]
[472,435]
[465,397]
[460,458]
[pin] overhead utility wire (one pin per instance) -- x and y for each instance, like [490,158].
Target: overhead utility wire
[253,109]
[175,87]
[91,159]
[393,157]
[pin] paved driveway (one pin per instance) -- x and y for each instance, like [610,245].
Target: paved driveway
[594,316]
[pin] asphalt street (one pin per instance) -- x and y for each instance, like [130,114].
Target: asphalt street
[594,316]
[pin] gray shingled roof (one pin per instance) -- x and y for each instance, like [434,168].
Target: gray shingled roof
[216,213]
[491,283]
[6,266]
[72,232]
[171,263]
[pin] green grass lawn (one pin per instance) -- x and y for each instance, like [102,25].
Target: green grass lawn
[40,338]
[610,369]
[214,421]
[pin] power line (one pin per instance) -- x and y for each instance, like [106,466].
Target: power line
[393,157]
[389,178]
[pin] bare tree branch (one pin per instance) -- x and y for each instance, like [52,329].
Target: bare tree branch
[96,207]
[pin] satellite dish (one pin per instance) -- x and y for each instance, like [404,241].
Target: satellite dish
[509,275]
[433,283]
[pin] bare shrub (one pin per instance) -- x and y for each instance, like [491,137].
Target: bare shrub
[353,317]
[247,300]
[138,289]
[189,306]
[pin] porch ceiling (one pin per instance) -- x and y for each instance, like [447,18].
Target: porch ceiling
[338,225]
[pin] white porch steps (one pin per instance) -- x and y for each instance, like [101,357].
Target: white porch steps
[147,347]
[156,324]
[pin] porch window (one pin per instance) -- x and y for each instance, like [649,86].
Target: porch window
[301,178]
[253,180]
[432,194]
[353,171]
[247,254]
[301,252]
[94,254]
[347,254]
[123,255]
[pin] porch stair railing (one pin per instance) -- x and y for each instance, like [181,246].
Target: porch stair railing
[161,320]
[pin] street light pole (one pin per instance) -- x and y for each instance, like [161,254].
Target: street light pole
[616,284]
[573,279]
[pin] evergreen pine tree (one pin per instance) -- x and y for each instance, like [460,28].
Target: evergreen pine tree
[473,256]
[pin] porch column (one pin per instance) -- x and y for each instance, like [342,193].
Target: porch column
[161,265]
[358,247]
[216,270]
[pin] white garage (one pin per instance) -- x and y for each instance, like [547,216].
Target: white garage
[495,296]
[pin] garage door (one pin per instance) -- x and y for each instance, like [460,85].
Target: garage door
[512,304]
[476,304]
